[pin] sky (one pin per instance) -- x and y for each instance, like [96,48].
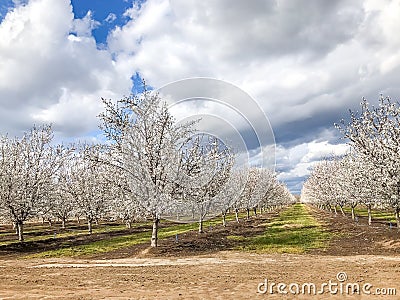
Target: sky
[305,62]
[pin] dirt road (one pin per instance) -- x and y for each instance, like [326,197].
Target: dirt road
[225,275]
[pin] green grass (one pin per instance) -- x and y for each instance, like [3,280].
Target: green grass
[238,238]
[48,233]
[120,242]
[379,215]
[295,230]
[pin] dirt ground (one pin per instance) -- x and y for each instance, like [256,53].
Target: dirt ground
[202,268]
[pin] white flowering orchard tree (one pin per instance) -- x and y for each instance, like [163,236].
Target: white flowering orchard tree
[375,134]
[257,185]
[229,197]
[278,195]
[123,205]
[308,196]
[86,181]
[28,166]
[61,203]
[362,183]
[146,144]
[344,181]
[205,169]
[274,191]
[321,184]
[338,183]
[250,195]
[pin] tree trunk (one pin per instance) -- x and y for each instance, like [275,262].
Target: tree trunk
[255,211]
[129,224]
[237,215]
[261,210]
[63,221]
[398,217]
[369,215]
[201,225]
[50,222]
[353,215]
[341,210]
[78,220]
[90,221]
[248,213]
[224,219]
[334,209]
[20,229]
[154,234]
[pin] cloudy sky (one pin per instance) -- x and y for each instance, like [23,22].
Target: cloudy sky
[306,62]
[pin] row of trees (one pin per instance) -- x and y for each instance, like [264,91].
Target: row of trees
[370,173]
[150,167]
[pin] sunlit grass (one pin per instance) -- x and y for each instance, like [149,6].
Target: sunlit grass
[377,214]
[49,233]
[124,241]
[295,230]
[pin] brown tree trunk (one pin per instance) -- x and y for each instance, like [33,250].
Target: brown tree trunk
[201,225]
[90,222]
[129,224]
[237,215]
[353,215]
[20,230]
[63,221]
[398,217]
[341,210]
[224,219]
[248,213]
[154,234]
[369,215]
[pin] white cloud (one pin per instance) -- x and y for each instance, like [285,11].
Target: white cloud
[51,69]
[19,2]
[84,27]
[309,55]
[297,161]
[110,18]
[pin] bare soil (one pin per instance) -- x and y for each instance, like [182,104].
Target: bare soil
[358,238]
[205,266]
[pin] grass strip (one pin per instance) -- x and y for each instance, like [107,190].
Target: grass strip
[124,241]
[56,234]
[379,215]
[295,230]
